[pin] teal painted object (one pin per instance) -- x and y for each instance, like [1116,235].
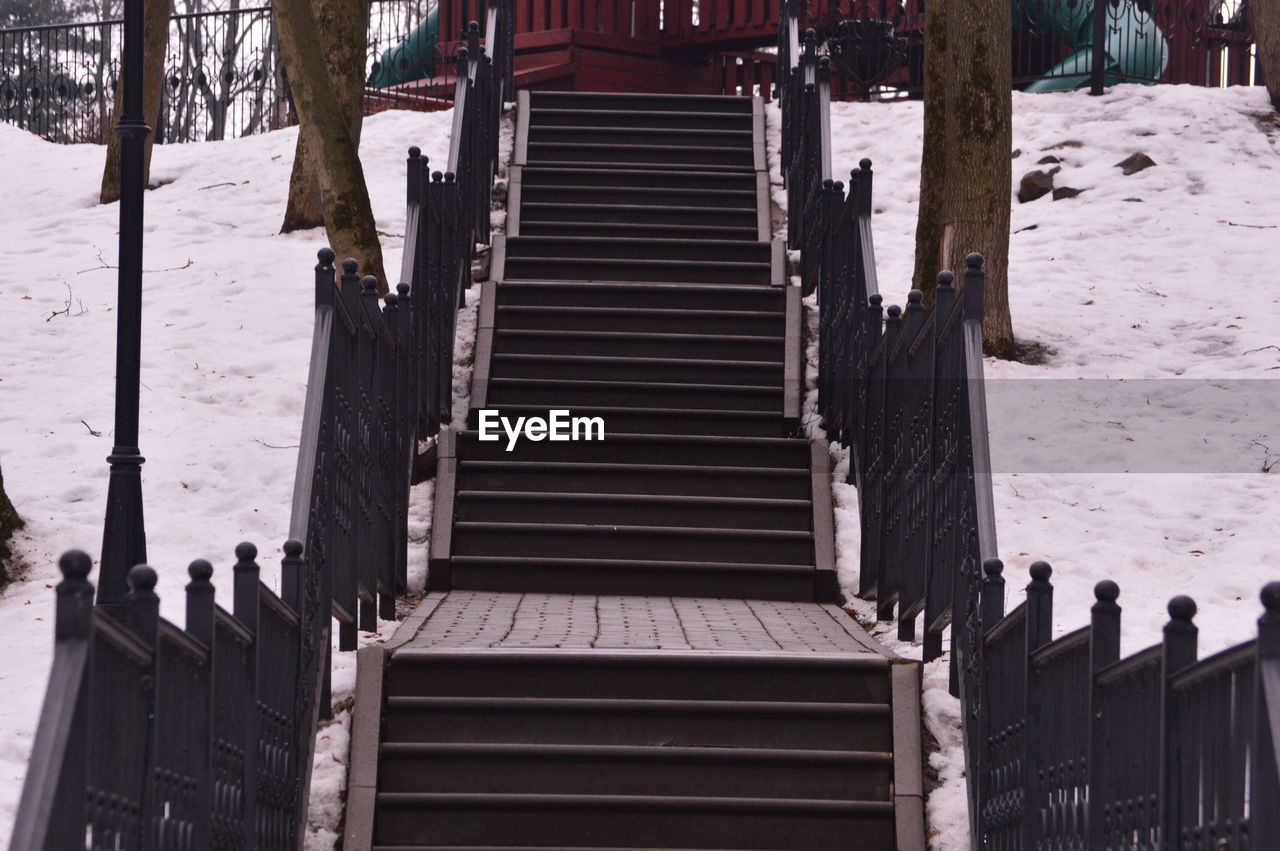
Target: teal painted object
[1135,47]
[412,59]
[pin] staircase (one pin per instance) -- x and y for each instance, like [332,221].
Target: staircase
[632,643]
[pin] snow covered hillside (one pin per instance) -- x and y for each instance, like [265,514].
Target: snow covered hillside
[1157,277]
[227,321]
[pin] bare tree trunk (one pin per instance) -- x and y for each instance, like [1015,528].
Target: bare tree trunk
[965,176]
[1266,28]
[10,522]
[155,45]
[344,25]
[323,127]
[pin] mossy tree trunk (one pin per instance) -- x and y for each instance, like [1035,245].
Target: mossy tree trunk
[1266,28]
[965,176]
[155,46]
[10,522]
[326,134]
[343,25]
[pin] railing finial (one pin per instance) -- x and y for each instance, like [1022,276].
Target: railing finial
[200,602]
[992,592]
[74,595]
[1180,634]
[291,574]
[245,579]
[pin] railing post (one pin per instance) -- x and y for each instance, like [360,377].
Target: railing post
[1180,636]
[142,606]
[992,597]
[1039,606]
[413,176]
[51,810]
[291,576]
[245,592]
[1039,633]
[200,603]
[1265,783]
[1097,69]
[975,281]
[863,182]
[73,612]
[1104,649]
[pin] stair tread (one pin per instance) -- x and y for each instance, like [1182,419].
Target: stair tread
[630,240]
[561,561]
[639,167]
[674,337]
[530,800]
[680,531]
[604,384]
[666,113]
[643,190]
[602,410]
[621,437]
[537,169]
[637,286]
[648,208]
[633,752]
[636,498]
[640,261]
[673,131]
[606,467]
[619,704]
[638,311]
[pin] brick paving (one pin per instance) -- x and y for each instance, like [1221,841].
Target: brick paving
[496,620]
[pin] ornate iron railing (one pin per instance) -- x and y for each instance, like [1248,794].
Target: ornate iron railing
[1082,749]
[1066,746]
[154,736]
[223,75]
[878,45]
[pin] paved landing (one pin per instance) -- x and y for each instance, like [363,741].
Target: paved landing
[509,621]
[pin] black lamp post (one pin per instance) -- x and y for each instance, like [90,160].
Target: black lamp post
[124,540]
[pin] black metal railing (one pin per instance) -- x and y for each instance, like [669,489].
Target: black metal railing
[1058,45]
[1066,745]
[449,211]
[223,74]
[1083,749]
[154,736]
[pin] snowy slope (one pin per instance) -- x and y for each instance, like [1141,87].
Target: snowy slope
[1173,288]
[227,315]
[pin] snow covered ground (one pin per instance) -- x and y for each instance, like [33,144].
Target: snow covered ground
[227,313]
[1161,279]
[1170,287]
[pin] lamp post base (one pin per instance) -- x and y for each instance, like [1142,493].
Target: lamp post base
[124,539]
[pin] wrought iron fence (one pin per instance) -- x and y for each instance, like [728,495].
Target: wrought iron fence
[223,75]
[1058,45]
[154,736]
[1158,750]
[1066,745]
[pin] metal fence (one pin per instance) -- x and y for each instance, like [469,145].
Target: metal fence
[154,736]
[1083,749]
[1058,45]
[223,75]
[1067,746]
